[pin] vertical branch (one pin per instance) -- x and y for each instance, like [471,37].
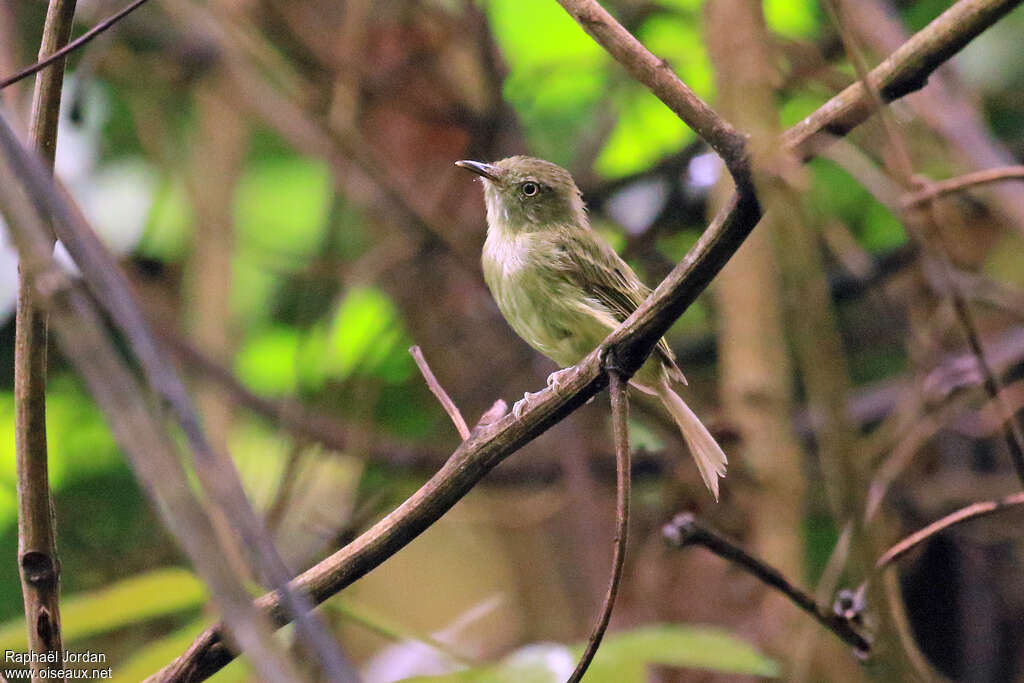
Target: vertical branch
[617,386]
[37,537]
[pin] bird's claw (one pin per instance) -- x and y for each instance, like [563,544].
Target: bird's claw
[555,378]
[521,405]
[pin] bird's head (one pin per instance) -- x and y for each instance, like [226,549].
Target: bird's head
[525,194]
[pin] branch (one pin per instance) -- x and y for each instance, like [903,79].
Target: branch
[73,45]
[943,187]
[618,389]
[38,563]
[128,409]
[903,72]
[970,512]
[657,75]
[215,470]
[435,387]
[685,530]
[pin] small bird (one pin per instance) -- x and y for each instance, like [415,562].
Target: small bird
[563,289]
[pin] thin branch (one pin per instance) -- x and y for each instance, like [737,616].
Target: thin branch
[137,428]
[216,471]
[958,184]
[38,563]
[657,75]
[982,509]
[903,72]
[685,530]
[618,389]
[73,45]
[435,388]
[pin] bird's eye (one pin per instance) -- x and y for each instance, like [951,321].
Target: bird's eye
[529,188]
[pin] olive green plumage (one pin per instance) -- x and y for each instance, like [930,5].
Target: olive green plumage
[563,289]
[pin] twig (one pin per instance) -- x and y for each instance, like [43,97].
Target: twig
[73,45]
[970,512]
[657,75]
[685,530]
[435,387]
[38,563]
[618,389]
[129,410]
[215,470]
[903,72]
[959,183]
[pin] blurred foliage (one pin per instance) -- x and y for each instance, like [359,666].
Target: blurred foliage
[312,321]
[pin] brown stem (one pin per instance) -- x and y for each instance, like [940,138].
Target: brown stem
[657,75]
[73,45]
[435,387]
[685,530]
[617,388]
[215,470]
[38,563]
[970,512]
[129,410]
[960,183]
[903,72]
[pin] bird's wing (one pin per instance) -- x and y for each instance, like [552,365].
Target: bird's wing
[594,267]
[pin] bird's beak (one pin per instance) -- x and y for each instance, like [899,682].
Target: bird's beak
[489,171]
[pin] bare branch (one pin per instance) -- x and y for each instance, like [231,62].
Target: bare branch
[38,564]
[73,45]
[903,72]
[932,190]
[435,388]
[970,512]
[685,530]
[129,410]
[618,389]
[657,75]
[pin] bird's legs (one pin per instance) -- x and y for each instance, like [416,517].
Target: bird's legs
[522,404]
[555,378]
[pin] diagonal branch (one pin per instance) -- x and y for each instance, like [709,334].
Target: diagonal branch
[442,396]
[657,75]
[685,530]
[73,45]
[903,72]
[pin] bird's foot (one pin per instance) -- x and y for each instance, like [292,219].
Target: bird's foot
[522,404]
[556,377]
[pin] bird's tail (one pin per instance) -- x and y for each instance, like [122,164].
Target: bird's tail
[710,457]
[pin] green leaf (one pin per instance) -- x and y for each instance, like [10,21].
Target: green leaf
[131,601]
[624,658]
[792,18]
[149,659]
[281,206]
[646,131]
[367,335]
[267,363]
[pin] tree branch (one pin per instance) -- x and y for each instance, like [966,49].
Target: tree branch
[970,512]
[903,72]
[73,45]
[939,188]
[657,75]
[38,563]
[128,408]
[685,530]
[618,389]
[442,396]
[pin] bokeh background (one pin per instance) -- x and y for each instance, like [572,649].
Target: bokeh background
[276,178]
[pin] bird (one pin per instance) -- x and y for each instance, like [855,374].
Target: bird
[563,288]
